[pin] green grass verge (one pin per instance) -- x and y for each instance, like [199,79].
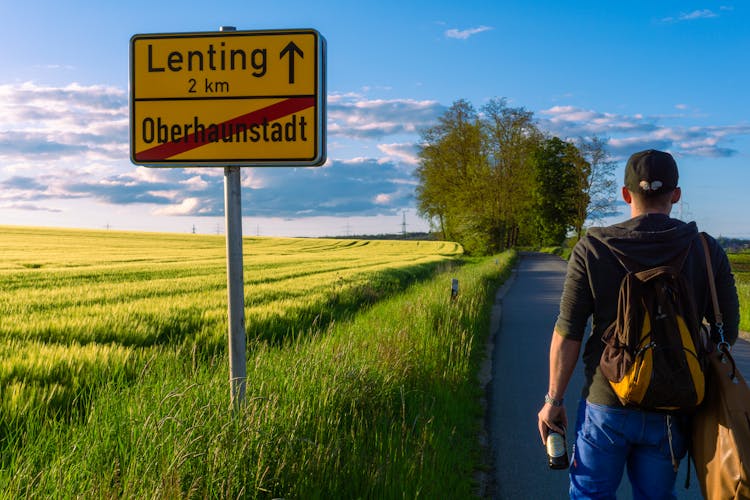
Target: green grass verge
[741,268]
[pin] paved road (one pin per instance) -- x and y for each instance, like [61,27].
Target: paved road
[519,381]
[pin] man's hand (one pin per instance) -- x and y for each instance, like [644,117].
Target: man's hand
[563,355]
[552,418]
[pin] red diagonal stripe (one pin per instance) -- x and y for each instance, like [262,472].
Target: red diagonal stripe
[192,141]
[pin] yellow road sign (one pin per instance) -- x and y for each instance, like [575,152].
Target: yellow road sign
[228,98]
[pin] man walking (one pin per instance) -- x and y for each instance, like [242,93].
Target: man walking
[612,437]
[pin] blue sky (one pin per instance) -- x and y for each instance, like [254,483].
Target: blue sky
[669,75]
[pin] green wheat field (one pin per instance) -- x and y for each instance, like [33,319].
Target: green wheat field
[361,369]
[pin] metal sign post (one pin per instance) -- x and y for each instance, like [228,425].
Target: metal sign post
[235,285]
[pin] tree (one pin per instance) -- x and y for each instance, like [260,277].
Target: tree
[511,138]
[476,175]
[558,191]
[450,157]
[597,182]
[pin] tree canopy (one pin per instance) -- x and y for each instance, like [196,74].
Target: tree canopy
[492,179]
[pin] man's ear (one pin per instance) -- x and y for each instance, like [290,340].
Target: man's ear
[676,194]
[627,196]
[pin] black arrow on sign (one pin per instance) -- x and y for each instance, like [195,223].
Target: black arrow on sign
[291,49]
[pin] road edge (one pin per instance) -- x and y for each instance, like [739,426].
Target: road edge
[484,475]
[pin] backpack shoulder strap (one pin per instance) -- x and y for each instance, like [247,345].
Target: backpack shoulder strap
[624,261]
[719,319]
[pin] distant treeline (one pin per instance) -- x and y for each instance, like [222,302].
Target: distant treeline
[734,244]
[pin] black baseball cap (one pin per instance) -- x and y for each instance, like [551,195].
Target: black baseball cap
[651,172]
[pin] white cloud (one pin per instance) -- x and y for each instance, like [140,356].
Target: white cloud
[150,175]
[359,160]
[195,183]
[383,199]
[43,122]
[169,194]
[570,121]
[251,179]
[570,114]
[29,207]
[188,206]
[696,14]
[628,133]
[203,172]
[464,34]
[405,152]
[351,115]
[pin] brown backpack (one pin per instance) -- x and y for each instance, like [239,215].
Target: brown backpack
[653,356]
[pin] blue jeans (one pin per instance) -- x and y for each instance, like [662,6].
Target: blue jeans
[608,439]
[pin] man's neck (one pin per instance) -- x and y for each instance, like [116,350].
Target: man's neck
[638,211]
